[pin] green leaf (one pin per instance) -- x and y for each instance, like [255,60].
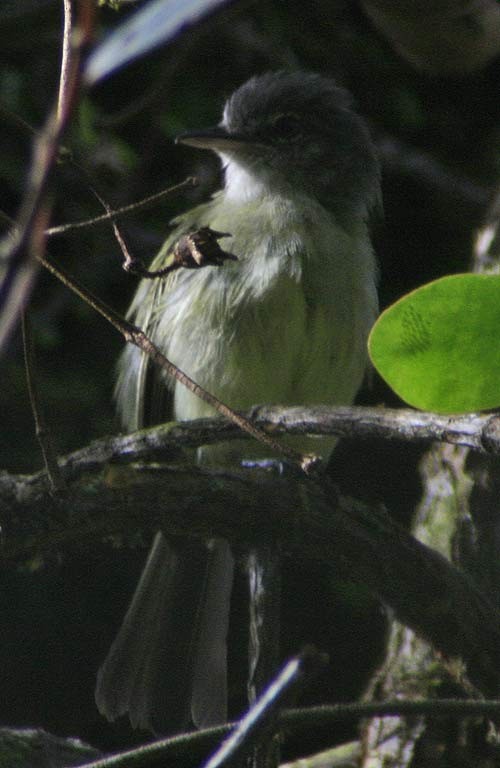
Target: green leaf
[438,347]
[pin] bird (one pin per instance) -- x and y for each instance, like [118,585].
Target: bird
[286,322]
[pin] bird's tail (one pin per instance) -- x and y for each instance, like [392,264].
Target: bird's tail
[167,665]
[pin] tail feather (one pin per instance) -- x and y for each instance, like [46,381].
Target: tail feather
[169,656]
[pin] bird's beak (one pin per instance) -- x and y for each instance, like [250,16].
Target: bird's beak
[216,139]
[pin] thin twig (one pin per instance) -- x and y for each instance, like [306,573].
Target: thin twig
[113,214]
[308,717]
[64,78]
[301,719]
[195,250]
[146,754]
[20,267]
[17,120]
[35,235]
[56,479]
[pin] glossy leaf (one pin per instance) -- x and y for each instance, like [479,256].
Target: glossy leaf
[438,347]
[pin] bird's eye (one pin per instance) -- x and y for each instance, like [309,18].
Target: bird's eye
[285,126]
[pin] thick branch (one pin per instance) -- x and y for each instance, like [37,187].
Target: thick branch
[423,589]
[481,432]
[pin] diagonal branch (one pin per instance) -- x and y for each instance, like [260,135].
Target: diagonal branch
[136,336]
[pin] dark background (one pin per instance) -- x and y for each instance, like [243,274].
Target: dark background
[59,616]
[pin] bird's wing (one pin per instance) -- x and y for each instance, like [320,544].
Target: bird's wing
[142,392]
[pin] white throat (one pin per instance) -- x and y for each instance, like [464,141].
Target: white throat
[240,185]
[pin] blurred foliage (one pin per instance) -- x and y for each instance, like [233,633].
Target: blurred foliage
[121,144]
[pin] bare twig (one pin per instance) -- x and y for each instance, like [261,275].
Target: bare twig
[20,267]
[56,480]
[17,120]
[136,336]
[64,78]
[113,214]
[37,247]
[195,250]
[301,719]
[35,238]
[147,754]
[305,717]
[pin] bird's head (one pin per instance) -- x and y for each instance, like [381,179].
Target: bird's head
[287,132]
